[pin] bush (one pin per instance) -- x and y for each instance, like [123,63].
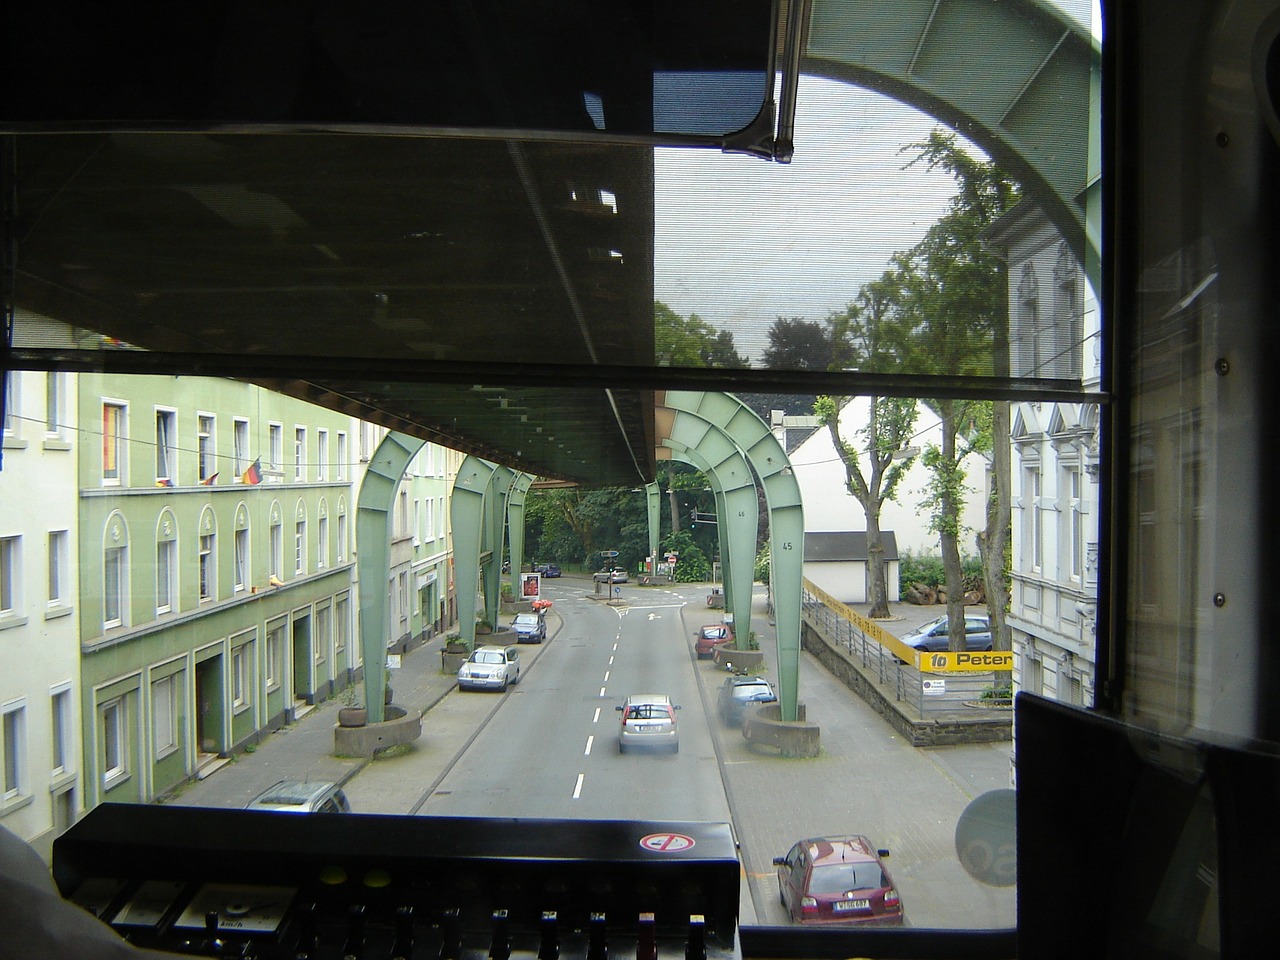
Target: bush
[927,569]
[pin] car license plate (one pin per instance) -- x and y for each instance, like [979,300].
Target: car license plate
[841,905]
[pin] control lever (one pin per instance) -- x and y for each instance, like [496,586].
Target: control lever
[695,947]
[451,930]
[646,938]
[597,941]
[402,949]
[549,947]
[353,949]
[500,946]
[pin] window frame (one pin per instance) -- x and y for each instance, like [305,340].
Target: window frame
[115,443]
[166,446]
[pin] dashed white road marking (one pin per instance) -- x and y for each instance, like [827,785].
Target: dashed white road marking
[596,718]
[602,691]
[590,740]
[577,788]
[606,676]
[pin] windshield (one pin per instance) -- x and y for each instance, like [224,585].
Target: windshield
[695,364]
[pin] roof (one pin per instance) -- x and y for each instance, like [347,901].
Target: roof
[845,545]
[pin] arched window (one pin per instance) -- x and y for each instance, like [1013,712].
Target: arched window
[242,575]
[115,572]
[207,574]
[300,539]
[167,592]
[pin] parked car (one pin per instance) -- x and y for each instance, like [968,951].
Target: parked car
[710,636]
[302,796]
[548,570]
[490,668]
[530,627]
[932,637]
[610,575]
[648,723]
[838,880]
[739,692]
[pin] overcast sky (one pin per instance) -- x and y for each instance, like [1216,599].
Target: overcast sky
[740,241]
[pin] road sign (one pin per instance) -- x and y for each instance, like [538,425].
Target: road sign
[667,842]
[946,661]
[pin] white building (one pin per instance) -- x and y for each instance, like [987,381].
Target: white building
[829,506]
[40,753]
[1055,326]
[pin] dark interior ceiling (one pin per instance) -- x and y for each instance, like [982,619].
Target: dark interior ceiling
[438,217]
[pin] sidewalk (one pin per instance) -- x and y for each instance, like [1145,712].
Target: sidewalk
[304,750]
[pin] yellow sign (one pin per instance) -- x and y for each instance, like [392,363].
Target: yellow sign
[970,662]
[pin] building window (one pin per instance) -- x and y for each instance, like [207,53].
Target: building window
[10,575]
[275,443]
[239,677]
[1034,518]
[366,441]
[429,525]
[300,547]
[240,541]
[341,625]
[54,385]
[208,566]
[322,542]
[1076,510]
[277,550]
[115,760]
[58,540]
[439,517]
[60,729]
[404,601]
[275,653]
[114,435]
[299,453]
[164,712]
[340,458]
[324,632]
[15,748]
[322,455]
[240,447]
[10,380]
[342,536]
[166,562]
[402,513]
[166,447]
[206,453]
[113,586]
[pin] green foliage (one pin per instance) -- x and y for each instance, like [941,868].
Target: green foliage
[691,342]
[693,564]
[944,492]
[998,691]
[927,569]
[761,571]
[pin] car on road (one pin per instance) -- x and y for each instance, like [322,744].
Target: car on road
[530,627]
[490,668]
[739,692]
[548,570]
[302,796]
[610,575]
[710,636]
[648,723]
[932,637]
[838,880]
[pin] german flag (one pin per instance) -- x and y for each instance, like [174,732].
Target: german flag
[254,474]
[208,481]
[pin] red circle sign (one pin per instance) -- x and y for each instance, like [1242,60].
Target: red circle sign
[667,842]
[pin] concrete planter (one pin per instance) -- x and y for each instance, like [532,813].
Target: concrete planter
[399,727]
[748,660]
[352,716]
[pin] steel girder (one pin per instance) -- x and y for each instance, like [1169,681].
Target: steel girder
[712,417]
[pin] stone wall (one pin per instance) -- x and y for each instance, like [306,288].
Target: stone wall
[983,727]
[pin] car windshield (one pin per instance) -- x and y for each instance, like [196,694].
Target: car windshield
[648,711]
[745,691]
[487,656]
[526,620]
[840,877]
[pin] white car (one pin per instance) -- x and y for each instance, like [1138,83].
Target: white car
[648,723]
[490,668]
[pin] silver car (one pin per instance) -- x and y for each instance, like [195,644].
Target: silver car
[490,668]
[302,796]
[648,723]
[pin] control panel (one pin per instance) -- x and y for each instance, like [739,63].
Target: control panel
[238,883]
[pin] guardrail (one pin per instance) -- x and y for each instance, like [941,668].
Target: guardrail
[933,685]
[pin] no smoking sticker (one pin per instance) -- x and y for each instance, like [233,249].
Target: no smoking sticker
[666,842]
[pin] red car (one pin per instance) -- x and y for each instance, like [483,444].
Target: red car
[710,636]
[838,880]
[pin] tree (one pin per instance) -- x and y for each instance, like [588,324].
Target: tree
[957,289]
[691,341]
[794,344]
[868,334]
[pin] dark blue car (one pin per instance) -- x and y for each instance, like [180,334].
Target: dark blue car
[547,570]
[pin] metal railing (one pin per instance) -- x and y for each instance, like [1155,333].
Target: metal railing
[892,665]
